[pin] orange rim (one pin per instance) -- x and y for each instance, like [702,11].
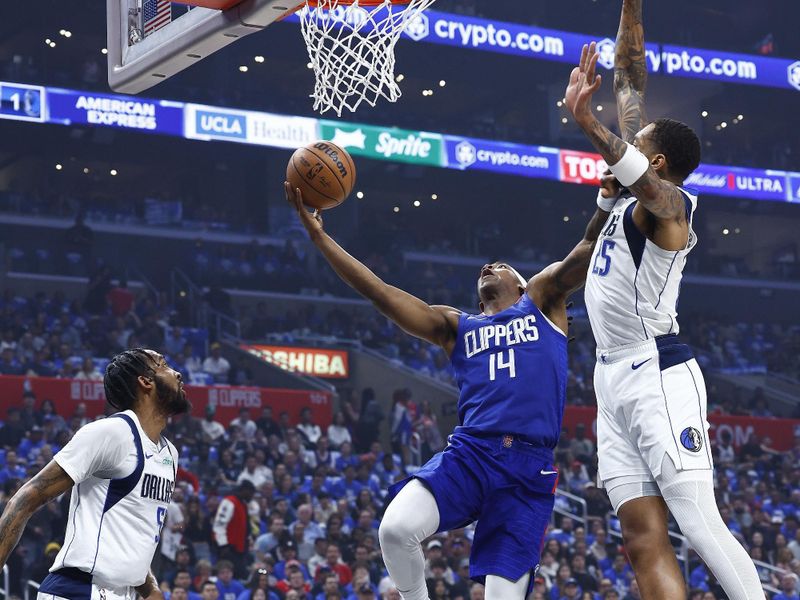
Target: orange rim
[315,3]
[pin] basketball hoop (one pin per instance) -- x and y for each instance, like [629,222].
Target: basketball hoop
[351,48]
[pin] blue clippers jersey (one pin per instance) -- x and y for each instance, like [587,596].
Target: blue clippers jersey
[511,370]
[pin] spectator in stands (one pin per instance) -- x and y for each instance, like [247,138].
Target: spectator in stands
[269,541]
[12,469]
[88,371]
[294,582]
[30,446]
[267,425]
[788,588]
[369,420]
[428,428]
[212,430]
[338,432]
[241,373]
[401,424]
[330,586]
[209,591]
[174,341]
[245,424]
[309,430]
[256,472]
[228,587]
[231,527]
[120,298]
[333,562]
[9,364]
[193,364]
[312,529]
[13,431]
[217,365]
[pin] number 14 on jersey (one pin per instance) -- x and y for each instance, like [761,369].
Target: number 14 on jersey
[498,361]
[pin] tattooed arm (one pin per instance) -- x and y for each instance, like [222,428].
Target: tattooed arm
[659,197]
[49,483]
[630,70]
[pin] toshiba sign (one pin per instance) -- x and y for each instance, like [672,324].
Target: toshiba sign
[320,362]
[581,167]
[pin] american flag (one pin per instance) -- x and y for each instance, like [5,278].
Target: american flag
[157,13]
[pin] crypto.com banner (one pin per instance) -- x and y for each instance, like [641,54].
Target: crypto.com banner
[502,37]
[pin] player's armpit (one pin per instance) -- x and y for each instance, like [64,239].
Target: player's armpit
[49,483]
[559,280]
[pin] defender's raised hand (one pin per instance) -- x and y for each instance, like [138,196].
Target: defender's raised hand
[583,83]
[311,221]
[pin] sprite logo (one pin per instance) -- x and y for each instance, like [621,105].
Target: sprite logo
[400,145]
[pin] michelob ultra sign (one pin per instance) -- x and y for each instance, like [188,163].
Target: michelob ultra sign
[319,362]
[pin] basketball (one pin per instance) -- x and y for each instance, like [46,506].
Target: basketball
[324,172]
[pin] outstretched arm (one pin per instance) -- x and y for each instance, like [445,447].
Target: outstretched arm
[659,197]
[436,324]
[49,483]
[630,70]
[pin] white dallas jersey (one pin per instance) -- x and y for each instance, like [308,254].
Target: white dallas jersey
[632,286]
[123,486]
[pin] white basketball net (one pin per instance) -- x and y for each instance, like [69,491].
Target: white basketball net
[351,49]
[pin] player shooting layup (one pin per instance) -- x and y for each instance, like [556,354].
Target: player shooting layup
[511,366]
[122,473]
[652,431]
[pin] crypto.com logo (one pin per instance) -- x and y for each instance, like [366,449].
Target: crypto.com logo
[794,74]
[606,49]
[466,154]
[419,27]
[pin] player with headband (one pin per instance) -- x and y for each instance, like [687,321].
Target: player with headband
[510,363]
[652,427]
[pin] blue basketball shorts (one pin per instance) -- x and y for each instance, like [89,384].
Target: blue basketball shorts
[507,486]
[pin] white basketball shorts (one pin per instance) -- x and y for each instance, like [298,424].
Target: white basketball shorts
[651,401]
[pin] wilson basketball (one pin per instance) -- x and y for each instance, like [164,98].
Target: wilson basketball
[324,172]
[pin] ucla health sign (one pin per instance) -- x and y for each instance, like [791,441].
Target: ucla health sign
[69,107]
[248,127]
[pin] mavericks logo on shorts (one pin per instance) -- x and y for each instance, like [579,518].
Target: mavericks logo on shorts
[691,439]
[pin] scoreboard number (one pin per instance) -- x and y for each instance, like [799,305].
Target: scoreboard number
[20,102]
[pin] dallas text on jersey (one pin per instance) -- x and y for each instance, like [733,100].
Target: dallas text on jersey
[157,488]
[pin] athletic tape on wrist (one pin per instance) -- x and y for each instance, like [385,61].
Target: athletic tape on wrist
[606,204]
[631,166]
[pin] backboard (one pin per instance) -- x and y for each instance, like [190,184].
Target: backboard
[151,40]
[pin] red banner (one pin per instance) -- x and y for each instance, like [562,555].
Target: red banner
[320,362]
[581,167]
[780,431]
[66,394]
